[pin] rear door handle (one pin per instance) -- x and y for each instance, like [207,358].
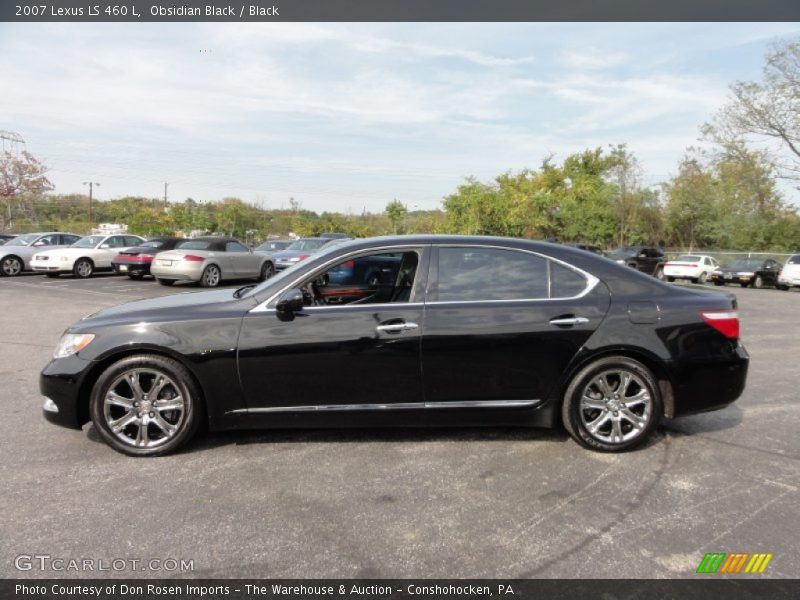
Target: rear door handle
[396,327]
[568,321]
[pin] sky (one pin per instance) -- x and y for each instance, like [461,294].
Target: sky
[347,117]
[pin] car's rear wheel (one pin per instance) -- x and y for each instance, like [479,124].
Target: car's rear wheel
[758,282]
[136,276]
[612,405]
[785,288]
[671,279]
[83,268]
[211,276]
[11,266]
[267,271]
[145,405]
[166,282]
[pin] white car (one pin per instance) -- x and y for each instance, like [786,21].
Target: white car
[84,257]
[790,273]
[694,267]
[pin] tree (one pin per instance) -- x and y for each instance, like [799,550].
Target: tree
[396,211]
[769,109]
[21,175]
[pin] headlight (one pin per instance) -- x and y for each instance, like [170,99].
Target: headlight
[293,259]
[71,343]
[622,262]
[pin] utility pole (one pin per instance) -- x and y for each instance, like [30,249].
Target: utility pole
[165,195]
[91,185]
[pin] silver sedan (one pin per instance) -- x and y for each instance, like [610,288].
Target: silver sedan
[16,254]
[210,261]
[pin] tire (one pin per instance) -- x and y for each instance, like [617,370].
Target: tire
[719,283]
[671,279]
[165,422]
[167,282]
[11,266]
[136,276]
[52,275]
[584,389]
[785,288]
[694,279]
[267,271]
[83,268]
[744,285]
[211,276]
[703,277]
[758,282]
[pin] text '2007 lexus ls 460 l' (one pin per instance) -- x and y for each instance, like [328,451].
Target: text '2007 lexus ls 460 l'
[411,331]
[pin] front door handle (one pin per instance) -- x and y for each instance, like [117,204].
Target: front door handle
[396,327]
[568,321]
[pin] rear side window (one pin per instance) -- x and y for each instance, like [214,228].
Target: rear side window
[564,282]
[235,247]
[69,239]
[794,260]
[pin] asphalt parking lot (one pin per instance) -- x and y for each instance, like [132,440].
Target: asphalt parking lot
[435,503]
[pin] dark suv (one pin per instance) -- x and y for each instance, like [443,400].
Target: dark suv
[647,259]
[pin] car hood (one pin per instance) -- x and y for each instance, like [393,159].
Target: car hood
[174,306]
[21,251]
[284,254]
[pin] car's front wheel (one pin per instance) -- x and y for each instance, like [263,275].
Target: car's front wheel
[612,405]
[145,405]
[11,266]
[758,282]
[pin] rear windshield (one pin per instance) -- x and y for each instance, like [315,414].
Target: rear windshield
[153,244]
[794,260]
[195,245]
[310,244]
[688,258]
[747,264]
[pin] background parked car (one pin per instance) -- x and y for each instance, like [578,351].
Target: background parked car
[694,267]
[135,262]
[268,249]
[86,256]
[299,250]
[790,273]
[588,247]
[209,260]
[647,259]
[756,272]
[4,237]
[16,253]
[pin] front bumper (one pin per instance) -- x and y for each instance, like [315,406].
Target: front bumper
[63,383]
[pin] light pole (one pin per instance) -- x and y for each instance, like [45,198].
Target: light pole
[91,185]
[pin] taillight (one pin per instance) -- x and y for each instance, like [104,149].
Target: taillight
[193,258]
[350,264]
[145,257]
[724,321]
[302,257]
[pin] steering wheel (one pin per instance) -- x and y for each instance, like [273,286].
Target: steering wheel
[312,295]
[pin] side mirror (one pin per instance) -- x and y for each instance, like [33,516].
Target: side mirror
[289,303]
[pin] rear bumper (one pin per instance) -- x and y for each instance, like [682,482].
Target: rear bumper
[125,268]
[710,385]
[182,273]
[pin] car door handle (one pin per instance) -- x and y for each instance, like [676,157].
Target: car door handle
[396,327]
[568,321]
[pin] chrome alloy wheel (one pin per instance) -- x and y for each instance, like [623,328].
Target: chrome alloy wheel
[11,266]
[144,408]
[84,268]
[211,276]
[615,406]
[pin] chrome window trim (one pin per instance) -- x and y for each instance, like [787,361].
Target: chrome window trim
[396,406]
[264,306]
[591,280]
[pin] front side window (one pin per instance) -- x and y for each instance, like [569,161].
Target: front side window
[480,274]
[235,247]
[194,245]
[381,278]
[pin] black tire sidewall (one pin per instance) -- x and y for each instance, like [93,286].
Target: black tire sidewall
[571,403]
[182,378]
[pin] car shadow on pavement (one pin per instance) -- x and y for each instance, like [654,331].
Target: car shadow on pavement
[709,422]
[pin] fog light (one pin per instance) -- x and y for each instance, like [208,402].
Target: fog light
[50,406]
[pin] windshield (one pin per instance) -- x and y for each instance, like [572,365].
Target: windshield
[623,251]
[22,240]
[90,241]
[794,260]
[308,244]
[746,265]
[688,258]
[152,244]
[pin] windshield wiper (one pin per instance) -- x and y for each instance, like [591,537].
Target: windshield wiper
[238,293]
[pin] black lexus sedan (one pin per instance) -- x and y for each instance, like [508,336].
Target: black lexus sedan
[755,272]
[135,262]
[470,331]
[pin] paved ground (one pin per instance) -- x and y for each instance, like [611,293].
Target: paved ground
[463,503]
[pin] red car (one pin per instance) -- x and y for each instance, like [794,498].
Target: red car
[135,262]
